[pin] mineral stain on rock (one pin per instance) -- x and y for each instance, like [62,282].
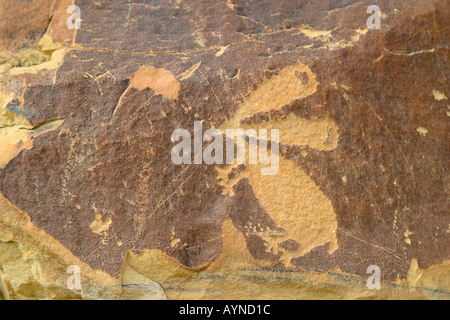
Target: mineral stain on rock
[159,80]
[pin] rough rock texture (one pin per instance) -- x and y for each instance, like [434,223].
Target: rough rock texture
[86,175]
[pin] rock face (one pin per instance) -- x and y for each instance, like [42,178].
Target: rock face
[86,171]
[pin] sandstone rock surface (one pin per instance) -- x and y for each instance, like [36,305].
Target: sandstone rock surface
[87,179]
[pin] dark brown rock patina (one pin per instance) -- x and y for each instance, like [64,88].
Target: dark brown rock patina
[112,153]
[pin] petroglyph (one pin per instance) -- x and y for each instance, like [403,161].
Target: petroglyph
[290,197]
